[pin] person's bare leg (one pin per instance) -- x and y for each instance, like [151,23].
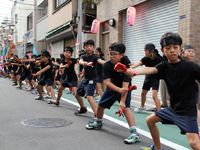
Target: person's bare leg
[129,117]
[80,100]
[60,90]
[143,97]
[50,88]
[92,104]
[99,89]
[156,100]
[39,88]
[151,123]
[100,112]
[193,139]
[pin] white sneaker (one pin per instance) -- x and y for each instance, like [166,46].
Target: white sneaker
[47,96]
[29,89]
[138,109]
[27,86]
[17,86]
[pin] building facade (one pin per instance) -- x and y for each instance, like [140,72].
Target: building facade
[153,19]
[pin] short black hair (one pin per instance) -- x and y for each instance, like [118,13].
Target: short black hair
[170,38]
[57,59]
[120,47]
[15,56]
[89,42]
[62,56]
[26,56]
[52,59]
[46,54]
[43,50]
[150,47]
[69,49]
[33,56]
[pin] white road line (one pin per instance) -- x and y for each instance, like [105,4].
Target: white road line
[140,131]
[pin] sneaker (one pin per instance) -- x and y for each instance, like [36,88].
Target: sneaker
[97,101]
[138,109]
[14,84]
[149,148]
[132,139]
[94,125]
[69,92]
[80,111]
[95,95]
[47,96]
[39,98]
[51,101]
[34,91]
[27,86]
[17,86]
[29,89]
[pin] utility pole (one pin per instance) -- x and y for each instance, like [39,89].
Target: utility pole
[80,22]
[25,44]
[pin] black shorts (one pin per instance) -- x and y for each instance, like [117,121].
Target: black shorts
[154,85]
[99,80]
[109,97]
[24,76]
[187,124]
[86,87]
[18,73]
[48,82]
[69,84]
[32,78]
[63,76]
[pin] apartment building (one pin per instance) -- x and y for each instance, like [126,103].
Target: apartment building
[153,19]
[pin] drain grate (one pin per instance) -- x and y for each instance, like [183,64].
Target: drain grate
[46,122]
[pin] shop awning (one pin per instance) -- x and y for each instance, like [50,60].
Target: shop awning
[58,32]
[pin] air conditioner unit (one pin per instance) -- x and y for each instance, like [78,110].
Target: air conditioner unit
[96,1]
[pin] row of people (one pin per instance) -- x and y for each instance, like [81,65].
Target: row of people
[179,80]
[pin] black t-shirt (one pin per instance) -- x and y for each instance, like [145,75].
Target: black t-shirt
[99,69]
[117,78]
[15,67]
[150,63]
[180,78]
[10,67]
[48,73]
[26,71]
[33,67]
[71,75]
[90,72]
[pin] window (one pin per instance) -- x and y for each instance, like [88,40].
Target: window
[59,3]
[30,22]
[16,19]
[105,27]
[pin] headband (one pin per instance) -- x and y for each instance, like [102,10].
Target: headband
[115,49]
[186,47]
[171,41]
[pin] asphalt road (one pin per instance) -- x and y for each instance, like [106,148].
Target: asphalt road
[19,105]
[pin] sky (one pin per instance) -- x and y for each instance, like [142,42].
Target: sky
[5,9]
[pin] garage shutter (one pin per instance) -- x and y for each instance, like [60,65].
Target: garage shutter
[153,19]
[57,48]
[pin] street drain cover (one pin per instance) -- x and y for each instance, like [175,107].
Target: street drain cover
[46,122]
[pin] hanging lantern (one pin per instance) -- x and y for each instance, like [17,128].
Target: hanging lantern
[95,25]
[131,15]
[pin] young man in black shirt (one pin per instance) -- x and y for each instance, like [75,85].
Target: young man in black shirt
[151,59]
[179,76]
[16,69]
[26,71]
[88,84]
[48,78]
[71,80]
[117,89]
